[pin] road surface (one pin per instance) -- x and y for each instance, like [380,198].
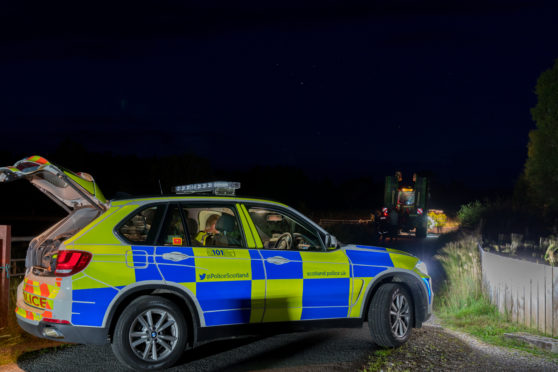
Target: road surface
[324,350]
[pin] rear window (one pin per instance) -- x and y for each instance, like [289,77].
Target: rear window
[406,198]
[70,225]
[42,248]
[141,226]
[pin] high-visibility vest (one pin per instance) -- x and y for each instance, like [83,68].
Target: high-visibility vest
[202,237]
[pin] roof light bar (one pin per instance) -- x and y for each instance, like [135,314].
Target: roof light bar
[216,188]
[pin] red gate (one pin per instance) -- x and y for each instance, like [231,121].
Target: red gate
[5,259]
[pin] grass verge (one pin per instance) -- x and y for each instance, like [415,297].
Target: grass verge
[463,306]
[377,360]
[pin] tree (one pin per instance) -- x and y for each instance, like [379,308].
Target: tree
[541,167]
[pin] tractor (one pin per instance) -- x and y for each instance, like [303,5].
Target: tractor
[409,201]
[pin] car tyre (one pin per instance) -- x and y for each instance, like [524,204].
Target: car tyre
[151,333]
[390,315]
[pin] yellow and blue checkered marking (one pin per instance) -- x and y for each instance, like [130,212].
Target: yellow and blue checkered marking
[239,286]
[176,271]
[289,270]
[89,305]
[258,272]
[144,264]
[368,264]
[225,302]
[325,298]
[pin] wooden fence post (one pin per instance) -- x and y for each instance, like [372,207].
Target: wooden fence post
[5,258]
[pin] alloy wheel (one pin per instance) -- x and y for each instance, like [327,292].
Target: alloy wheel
[154,335]
[399,315]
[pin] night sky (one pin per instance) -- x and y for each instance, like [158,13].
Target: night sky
[338,88]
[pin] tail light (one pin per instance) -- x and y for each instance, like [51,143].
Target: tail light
[70,262]
[55,321]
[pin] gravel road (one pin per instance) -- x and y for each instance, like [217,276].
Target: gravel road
[433,348]
[324,350]
[430,348]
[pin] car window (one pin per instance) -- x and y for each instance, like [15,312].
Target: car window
[70,225]
[141,227]
[213,225]
[173,232]
[278,230]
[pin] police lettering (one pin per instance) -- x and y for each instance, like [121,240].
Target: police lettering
[34,300]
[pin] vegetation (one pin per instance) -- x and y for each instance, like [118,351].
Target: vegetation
[462,304]
[551,252]
[506,227]
[541,167]
[377,360]
[437,219]
[526,223]
[509,226]
[461,263]
[470,214]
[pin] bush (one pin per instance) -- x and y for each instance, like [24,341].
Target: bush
[542,161]
[504,216]
[470,214]
[550,246]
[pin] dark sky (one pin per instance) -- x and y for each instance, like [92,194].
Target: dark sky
[345,88]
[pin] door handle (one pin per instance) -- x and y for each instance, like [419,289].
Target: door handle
[175,256]
[278,260]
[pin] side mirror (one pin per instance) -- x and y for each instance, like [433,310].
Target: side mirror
[331,242]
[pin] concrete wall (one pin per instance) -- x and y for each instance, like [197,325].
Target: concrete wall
[526,292]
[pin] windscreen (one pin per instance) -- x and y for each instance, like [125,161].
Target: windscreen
[406,198]
[43,247]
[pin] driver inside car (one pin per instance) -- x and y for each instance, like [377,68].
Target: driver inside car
[207,235]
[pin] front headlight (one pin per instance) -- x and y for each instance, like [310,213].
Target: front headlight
[421,266]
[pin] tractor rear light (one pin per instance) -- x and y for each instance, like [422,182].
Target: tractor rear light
[70,262]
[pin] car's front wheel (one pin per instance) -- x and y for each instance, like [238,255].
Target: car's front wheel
[151,333]
[390,315]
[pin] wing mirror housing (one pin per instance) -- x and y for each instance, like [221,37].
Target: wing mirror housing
[331,242]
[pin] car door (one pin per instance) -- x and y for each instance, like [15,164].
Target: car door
[304,280]
[221,272]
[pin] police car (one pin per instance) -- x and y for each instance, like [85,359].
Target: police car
[154,276]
